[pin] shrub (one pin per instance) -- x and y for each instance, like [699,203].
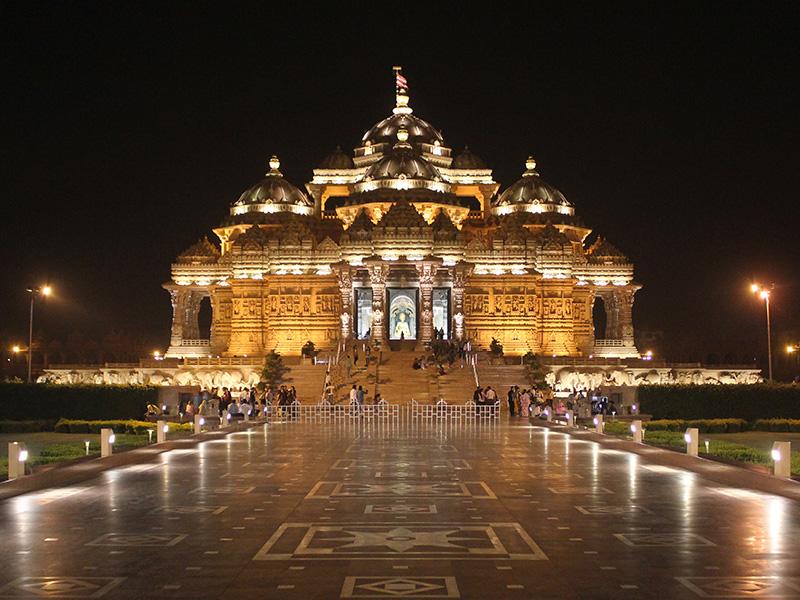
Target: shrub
[777,425]
[19,402]
[25,426]
[748,402]
[131,427]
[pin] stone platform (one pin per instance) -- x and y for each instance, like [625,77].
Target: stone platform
[291,510]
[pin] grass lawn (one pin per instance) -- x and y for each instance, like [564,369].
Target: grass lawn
[755,439]
[49,447]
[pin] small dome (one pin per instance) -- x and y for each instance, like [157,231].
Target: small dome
[272,194]
[534,193]
[419,130]
[468,160]
[337,160]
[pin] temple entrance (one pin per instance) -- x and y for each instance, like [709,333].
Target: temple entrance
[441,313]
[363,324]
[402,319]
[204,318]
[599,318]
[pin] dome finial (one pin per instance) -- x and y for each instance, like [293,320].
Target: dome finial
[274,165]
[402,135]
[530,164]
[401,92]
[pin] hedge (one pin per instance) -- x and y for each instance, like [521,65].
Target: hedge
[748,402]
[20,402]
[26,426]
[119,426]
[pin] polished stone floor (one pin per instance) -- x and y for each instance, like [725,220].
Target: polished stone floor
[358,511]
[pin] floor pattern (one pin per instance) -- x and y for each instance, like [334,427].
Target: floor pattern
[413,511]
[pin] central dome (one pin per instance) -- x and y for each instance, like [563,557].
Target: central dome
[419,130]
[402,163]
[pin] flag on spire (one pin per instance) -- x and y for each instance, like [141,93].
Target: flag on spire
[401,83]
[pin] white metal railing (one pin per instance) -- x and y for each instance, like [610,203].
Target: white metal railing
[609,343]
[384,412]
[195,342]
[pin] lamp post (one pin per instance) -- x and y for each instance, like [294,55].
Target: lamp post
[764,294]
[43,291]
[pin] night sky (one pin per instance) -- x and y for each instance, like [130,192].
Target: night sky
[128,129]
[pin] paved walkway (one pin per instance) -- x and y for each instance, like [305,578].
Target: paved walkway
[349,511]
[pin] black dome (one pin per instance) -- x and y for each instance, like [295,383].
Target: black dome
[468,160]
[337,160]
[419,130]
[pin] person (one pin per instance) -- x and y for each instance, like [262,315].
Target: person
[511,401]
[417,363]
[355,355]
[152,410]
[525,403]
[244,407]
[349,363]
[377,398]
[190,409]
[360,396]
[234,409]
[252,398]
[490,396]
[367,353]
[353,394]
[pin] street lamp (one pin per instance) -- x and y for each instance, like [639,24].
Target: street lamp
[764,294]
[43,291]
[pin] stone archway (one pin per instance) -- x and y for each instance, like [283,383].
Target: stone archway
[599,318]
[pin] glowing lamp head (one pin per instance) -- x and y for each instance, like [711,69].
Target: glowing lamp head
[530,164]
[789,348]
[274,163]
[165,428]
[156,354]
[755,288]
[633,428]
[595,420]
[228,417]
[776,454]
[687,438]
[764,294]
[633,407]
[23,455]
[202,420]
[164,407]
[112,438]
[402,135]
[16,349]
[47,290]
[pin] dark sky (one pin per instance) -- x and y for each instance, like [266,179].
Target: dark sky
[129,128]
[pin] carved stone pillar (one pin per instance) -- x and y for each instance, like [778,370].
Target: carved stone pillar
[177,299]
[345,280]
[426,272]
[377,279]
[623,301]
[460,273]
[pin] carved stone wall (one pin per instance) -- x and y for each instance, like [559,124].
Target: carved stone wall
[283,313]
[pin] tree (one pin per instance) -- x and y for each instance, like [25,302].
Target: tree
[535,371]
[308,350]
[274,369]
[496,348]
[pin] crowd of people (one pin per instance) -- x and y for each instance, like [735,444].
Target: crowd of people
[229,401]
[533,402]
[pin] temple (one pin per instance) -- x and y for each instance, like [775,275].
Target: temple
[401,241]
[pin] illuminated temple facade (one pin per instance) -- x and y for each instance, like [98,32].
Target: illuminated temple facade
[402,240]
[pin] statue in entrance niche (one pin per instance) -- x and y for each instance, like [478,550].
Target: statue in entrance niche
[401,329]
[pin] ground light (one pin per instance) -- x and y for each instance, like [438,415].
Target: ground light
[17,456]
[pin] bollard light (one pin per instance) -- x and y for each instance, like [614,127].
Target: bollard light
[548,415]
[782,458]
[635,409]
[636,430]
[86,445]
[691,437]
[161,431]
[199,421]
[247,416]
[150,436]
[17,455]
[708,446]
[570,418]
[107,439]
[599,425]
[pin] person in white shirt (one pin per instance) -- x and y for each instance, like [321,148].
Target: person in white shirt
[353,394]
